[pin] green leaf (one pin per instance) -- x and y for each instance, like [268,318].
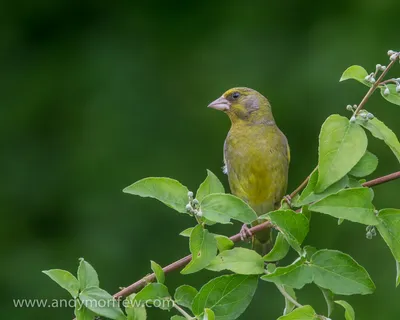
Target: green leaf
[83,313]
[354,183]
[303,313]
[289,306]
[279,251]
[393,96]
[389,229]
[228,296]
[357,73]
[186,232]
[223,242]
[294,226]
[341,146]
[350,204]
[309,251]
[169,191]
[208,314]
[397,273]
[365,166]
[308,195]
[328,296]
[296,275]
[178,318]
[65,280]
[349,311]
[203,247]
[157,269]
[238,260]
[340,273]
[209,186]
[102,303]
[87,275]
[379,130]
[135,311]
[157,293]
[184,295]
[220,207]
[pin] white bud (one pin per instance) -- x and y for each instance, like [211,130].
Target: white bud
[195,202]
[370,116]
[378,66]
[349,107]
[372,80]
[393,56]
[398,88]
[352,119]
[383,68]
[390,52]
[188,207]
[190,194]
[386,92]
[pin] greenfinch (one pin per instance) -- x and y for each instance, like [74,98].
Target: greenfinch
[256,155]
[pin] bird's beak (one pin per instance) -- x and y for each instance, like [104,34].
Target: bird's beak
[221,104]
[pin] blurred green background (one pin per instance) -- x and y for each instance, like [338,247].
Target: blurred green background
[95,96]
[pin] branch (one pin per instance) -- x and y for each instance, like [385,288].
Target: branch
[134,287]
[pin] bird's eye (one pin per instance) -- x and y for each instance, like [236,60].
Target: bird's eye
[235,95]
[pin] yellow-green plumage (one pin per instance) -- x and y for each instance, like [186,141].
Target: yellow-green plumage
[256,154]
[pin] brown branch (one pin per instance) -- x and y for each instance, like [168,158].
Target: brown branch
[134,287]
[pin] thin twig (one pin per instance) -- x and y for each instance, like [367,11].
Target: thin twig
[374,86]
[183,312]
[134,287]
[288,296]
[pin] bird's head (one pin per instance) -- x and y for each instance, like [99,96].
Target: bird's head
[244,104]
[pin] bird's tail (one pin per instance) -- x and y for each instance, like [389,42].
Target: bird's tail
[262,242]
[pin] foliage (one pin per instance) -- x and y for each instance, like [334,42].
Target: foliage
[333,189]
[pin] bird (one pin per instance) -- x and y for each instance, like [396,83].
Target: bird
[256,156]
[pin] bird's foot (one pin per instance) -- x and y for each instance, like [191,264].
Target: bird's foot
[245,233]
[287,201]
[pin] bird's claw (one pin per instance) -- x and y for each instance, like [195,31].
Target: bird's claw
[287,200]
[245,233]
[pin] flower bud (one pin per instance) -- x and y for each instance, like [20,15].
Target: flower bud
[386,92]
[393,56]
[390,52]
[369,235]
[190,194]
[195,202]
[349,107]
[398,88]
[188,207]
[370,116]
[383,68]
[352,119]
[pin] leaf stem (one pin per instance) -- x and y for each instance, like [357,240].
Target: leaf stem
[288,296]
[183,312]
[374,86]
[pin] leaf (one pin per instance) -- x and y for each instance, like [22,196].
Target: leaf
[397,273]
[186,232]
[238,260]
[357,73]
[328,296]
[169,191]
[350,204]
[279,251]
[341,146]
[354,183]
[349,311]
[223,242]
[134,311]
[178,318]
[294,226]
[83,313]
[220,207]
[389,229]
[157,293]
[65,280]
[365,166]
[303,313]
[393,96]
[308,195]
[184,295]
[379,130]
[203,247]
[289,306]
[157,269]
[208,314]
[87,275]
[209,186]
[101,302]
[340,273]
[228,296]
[296,275]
